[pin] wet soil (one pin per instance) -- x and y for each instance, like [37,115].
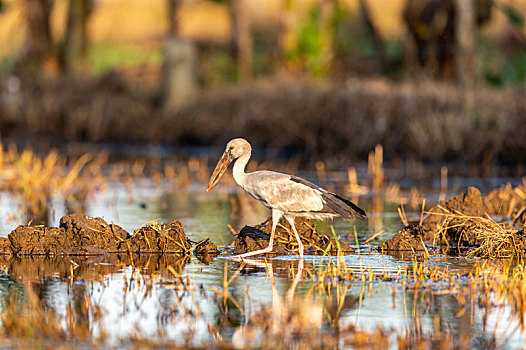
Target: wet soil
[487,226]
[254,238]
[410,238]
[205,251]
[159,238]
[80,235]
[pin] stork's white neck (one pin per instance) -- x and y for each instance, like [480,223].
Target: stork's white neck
[239,169]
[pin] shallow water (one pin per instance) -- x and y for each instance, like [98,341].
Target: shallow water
[138,298]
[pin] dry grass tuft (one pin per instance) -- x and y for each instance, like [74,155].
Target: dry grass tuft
[37,179]
[493,240]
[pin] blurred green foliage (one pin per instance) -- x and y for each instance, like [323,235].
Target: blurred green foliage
[340,37]
[104,57]
[513,16]
[499,70]
[216,67]
[502,64]
[311,48]
[8,63]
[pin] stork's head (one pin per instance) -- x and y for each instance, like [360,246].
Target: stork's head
[236,148]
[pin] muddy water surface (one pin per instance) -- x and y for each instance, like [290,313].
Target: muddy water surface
[179,299]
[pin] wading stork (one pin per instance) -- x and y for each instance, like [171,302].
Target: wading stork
[287,196]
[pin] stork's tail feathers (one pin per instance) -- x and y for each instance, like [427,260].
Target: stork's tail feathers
[343,206]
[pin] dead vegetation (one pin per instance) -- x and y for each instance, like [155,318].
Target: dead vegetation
[34,180]
[421,119]
[490,226]
[37,179]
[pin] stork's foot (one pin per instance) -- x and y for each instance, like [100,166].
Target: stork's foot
[255,252]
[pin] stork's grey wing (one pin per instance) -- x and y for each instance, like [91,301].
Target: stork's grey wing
[294,194]
[279,191]
[334,203]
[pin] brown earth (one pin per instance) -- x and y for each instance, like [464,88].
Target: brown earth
[493,225]
[159,238]
[410,238]
[254,238]
[80,235]
[205,251]
[94,234]
[5,246]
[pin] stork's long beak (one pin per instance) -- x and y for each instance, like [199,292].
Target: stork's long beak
[220,170]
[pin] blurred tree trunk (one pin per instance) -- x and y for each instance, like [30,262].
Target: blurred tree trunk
[37,54]
[466,63]
[242,36]
[371,29]
[75,46]
[179,80]
[173,20]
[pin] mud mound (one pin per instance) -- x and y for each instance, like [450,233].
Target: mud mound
[410,238]
[490,226]
[205,247]
[93,234]
[254,238]
[205,251]
[468,203]
[5,246]
[159,238]
[77,235]
[39,240]
[508,202]
[80,235]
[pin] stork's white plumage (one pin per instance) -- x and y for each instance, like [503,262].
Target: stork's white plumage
[286,195]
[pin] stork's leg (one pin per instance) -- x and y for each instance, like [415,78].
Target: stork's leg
[276,215]
[300,245]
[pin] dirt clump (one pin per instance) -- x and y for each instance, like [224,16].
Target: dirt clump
[410,238]
[469,203]
[508,202]
[93,234]
[254,238]
[5,246]
[39,240]
[77,235]
[205,251]
[159,238]
[80,235]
